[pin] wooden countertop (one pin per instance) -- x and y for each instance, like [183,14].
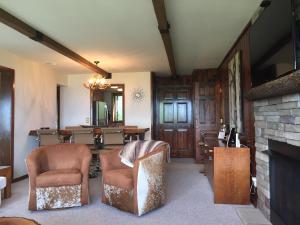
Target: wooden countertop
[68,132]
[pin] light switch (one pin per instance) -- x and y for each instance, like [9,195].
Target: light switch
[87,120]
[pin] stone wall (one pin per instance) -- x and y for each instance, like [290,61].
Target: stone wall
[277,119]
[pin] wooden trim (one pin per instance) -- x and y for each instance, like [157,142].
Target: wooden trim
[12,118]
[163,27]
[38,36]
[20,178]
[114,94]
[244,31]
[58,105]
[152,88]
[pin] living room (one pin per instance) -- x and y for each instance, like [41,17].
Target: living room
[149,112]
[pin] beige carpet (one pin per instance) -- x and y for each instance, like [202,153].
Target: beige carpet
[190,202]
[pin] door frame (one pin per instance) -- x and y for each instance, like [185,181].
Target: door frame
[12,122]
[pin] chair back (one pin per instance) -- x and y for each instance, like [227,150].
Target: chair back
[83,136]
[73,127]
[113,136]
[48,137]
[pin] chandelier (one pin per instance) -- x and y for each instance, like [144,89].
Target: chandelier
[96,81]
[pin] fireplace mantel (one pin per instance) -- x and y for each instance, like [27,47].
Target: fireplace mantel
[288,84]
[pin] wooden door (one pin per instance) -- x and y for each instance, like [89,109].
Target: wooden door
[175,120]
[6,116]
[207,100]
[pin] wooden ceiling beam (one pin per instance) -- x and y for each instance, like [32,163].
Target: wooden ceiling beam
[163,27]
[25,29]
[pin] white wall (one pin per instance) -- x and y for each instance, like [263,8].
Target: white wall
[75,100]
[35,103]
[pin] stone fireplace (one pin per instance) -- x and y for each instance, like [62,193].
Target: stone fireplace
[276,118]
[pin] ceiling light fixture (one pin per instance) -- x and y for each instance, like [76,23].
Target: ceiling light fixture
[120,89]
[97,81]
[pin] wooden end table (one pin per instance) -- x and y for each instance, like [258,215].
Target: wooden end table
[6,171]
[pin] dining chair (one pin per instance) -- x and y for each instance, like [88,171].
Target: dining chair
[83,136]
[48,137]
[113,137]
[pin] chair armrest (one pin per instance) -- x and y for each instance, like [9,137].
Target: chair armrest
[85,167]
[33,167]
[85,163]
[110,160]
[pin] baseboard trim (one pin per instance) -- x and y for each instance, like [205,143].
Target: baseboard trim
[20,178]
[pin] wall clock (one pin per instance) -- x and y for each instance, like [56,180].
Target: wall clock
[138,95]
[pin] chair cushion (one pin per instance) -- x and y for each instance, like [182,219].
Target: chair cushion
[120,178]
[61,177]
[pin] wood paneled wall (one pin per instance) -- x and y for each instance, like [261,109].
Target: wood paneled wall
[248,136]
[7,77]
[207,107]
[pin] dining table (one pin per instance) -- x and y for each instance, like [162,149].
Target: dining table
[140,132]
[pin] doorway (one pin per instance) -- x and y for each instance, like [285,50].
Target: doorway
[7,77]
[173,114]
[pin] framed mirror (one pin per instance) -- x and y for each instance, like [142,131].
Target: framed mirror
[107,106]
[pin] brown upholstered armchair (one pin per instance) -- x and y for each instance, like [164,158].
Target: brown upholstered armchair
[139,189]
[58,176]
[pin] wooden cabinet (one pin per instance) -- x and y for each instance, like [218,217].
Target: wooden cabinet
[228,172]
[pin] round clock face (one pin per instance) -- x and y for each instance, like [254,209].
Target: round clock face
[138,95]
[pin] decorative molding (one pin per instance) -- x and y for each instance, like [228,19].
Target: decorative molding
[288,84]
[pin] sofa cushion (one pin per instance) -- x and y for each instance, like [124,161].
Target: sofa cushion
[122,178]
[61,177]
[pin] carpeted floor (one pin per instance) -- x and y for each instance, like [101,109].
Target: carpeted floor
[190,202]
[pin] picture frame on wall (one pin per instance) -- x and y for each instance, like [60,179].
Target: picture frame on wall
[235,95]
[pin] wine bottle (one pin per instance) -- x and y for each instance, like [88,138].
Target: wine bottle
[231,138]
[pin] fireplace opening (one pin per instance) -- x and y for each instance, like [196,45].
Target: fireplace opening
[284,183]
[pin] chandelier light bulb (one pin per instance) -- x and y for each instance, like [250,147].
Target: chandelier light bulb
[96,82]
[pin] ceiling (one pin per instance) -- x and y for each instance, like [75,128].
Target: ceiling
[123,35]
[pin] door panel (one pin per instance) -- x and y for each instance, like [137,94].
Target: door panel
[182,112]
[167,135]
[182,138]
[168,112]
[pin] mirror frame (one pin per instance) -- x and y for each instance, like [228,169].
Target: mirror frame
[110,123]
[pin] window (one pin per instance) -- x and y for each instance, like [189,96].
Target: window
[117,107]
